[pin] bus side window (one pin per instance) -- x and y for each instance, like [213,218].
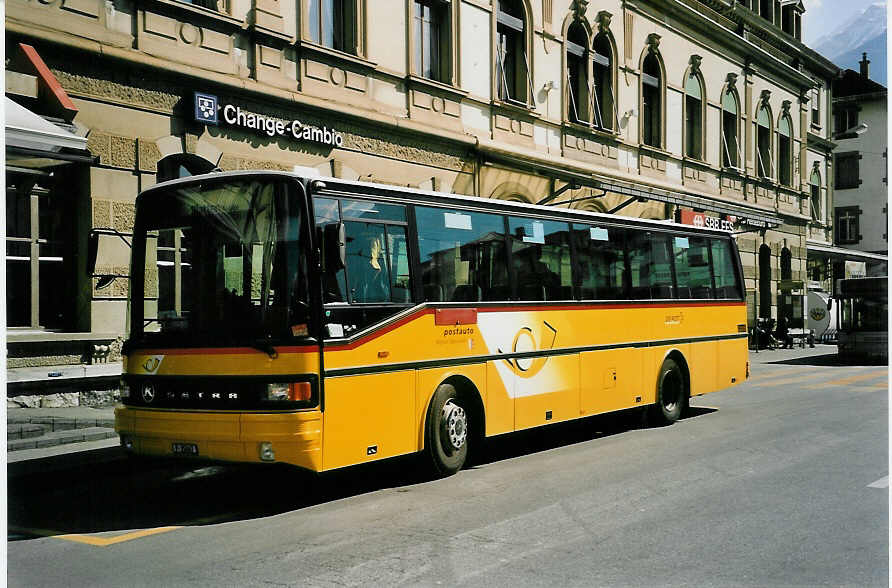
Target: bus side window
[334,283]
[600,262]
[692,267]
[640,266]
[662,283]
[462,255]
[725,270]
[540,259]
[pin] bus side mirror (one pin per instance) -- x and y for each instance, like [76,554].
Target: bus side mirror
[335,243]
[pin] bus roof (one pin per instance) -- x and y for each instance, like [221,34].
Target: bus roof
[341,187]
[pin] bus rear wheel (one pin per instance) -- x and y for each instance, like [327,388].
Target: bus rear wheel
[672,394]
[447,429]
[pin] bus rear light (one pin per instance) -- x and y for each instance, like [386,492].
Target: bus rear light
[289,392]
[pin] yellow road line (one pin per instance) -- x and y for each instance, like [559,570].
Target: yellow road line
[853,379]
[784,373]
[784,381]
[106,541]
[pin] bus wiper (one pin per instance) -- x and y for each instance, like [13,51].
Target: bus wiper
[265,347]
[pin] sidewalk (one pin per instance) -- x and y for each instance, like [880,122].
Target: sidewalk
[775,355]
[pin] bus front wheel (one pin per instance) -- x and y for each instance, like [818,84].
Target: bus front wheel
[447,430]
[672,394]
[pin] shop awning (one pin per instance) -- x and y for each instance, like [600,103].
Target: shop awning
[752,216]
[26,130]
[843,253]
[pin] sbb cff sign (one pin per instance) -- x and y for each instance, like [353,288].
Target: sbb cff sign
[701,219]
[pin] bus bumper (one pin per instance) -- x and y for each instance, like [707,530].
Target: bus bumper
[292,437]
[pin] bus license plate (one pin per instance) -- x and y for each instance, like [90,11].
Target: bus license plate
[185,449]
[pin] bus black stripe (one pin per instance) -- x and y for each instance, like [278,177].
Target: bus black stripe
[434,363]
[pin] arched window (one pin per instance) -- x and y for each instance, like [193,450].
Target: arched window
[730,118]
[513,79]
[765,281]
[651,101]
[182,165]
[693,116]
[816,208]
[785,151]
[763,142]
[604,104]
[577,74]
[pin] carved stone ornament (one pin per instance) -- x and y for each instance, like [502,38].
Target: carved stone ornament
[731,80]
[604,21]
[579,7]
[785,107]
[653,43]
[695,63]
[764,97]
[816,167]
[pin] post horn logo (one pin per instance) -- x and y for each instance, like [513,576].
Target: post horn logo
[526,342]
[151,364]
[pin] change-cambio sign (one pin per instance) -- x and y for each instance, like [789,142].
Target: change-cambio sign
[209,110]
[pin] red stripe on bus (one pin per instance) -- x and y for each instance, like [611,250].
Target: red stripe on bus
[223,350]
[384,330]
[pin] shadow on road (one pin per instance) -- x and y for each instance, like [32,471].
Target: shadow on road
[828,359]
[125,493]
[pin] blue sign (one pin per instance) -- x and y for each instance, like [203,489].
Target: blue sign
[205,108]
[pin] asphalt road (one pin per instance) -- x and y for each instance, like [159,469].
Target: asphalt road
[782,481]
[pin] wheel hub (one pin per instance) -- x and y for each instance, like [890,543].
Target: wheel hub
[455,423]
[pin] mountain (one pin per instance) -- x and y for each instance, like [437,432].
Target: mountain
[863,33]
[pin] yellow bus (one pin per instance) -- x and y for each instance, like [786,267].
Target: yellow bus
[325,323]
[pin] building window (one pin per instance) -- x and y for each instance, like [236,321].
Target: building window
[651,97]
[766,9]
[578,97]
[816,106]
[847,225]
[216,5]
[39,255]
[847,170]
[785,151]
[763,143]
[433,47]
[730,142]
[845,118]
[693,113]
[513,79]
[816,208]
[332,23]
[605,105]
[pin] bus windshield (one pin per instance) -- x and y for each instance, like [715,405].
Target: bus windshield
[220,263]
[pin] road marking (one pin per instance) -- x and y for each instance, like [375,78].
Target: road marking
[780,373]
[881,483]
[795,380]
[853,379]
[106,541]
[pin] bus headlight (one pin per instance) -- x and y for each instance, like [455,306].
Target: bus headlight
[289,391]
[125,389]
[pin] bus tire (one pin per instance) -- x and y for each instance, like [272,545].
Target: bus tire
[672,394]
[447,431]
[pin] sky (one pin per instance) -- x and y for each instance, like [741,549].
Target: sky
[822,16]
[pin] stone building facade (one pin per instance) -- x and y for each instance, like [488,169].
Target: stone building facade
[664,109]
